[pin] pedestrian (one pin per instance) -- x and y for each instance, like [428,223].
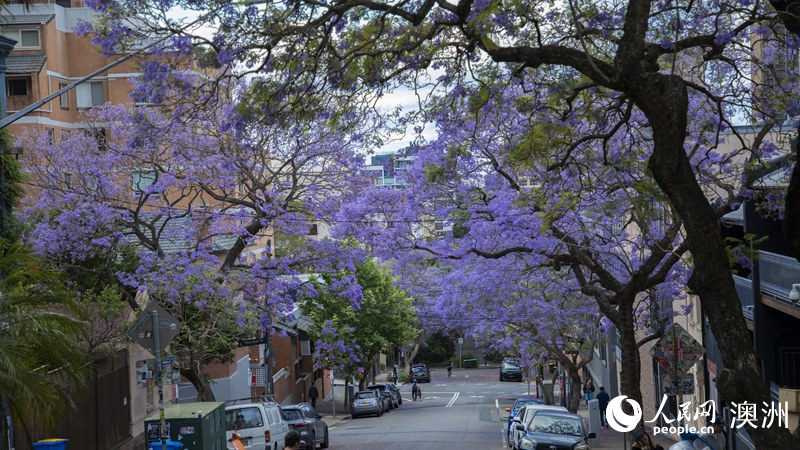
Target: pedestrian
[588,390]
[394,374]
[292,440]
[602,399]
[313,394]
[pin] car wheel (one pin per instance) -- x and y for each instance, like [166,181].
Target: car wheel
[326,442]
[313,441]
[400,401]
[353,416]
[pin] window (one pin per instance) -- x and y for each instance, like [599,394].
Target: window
[64,135]
[63,99]
[143,180]
[90,94]
[51,135]
[17,86]
[64,3]
[25,38]
[243,418]
[312,230]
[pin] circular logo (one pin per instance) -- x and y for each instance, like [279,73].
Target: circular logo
[616,417]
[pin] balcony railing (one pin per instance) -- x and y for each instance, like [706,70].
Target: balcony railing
[744,289]
[778,273]
[17,102]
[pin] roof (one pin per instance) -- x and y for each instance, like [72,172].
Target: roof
[25,64]
[175,235]
[735,217]
[26,19]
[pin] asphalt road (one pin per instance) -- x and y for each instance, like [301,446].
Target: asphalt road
[463,412]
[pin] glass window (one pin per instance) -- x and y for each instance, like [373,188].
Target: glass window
[242,418]
[29,38]
[292,414]
[24,38]
[63,99]
[90,94]
[142,181]
[17,86]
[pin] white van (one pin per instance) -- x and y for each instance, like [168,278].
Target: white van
[259,424]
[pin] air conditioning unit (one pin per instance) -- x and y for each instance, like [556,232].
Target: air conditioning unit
[791,397]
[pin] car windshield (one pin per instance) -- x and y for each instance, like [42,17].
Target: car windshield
[364,395]
[372,388]
[521,403]
[292,414]
[510,365]
[543,423]
[418,369]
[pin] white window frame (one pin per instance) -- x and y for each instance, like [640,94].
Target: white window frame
[9,33]
[85,94]
[63,99]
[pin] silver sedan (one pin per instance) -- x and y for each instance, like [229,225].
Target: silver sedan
[365,403]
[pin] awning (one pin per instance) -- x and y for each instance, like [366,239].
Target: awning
[26,19]
[735,217]
[25,64]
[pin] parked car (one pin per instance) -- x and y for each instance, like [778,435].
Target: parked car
[514,409]
[519,424]
[421,373]
[304,419]
[391,393]
[365,403]
[555,429]
[510,371]
[259,424]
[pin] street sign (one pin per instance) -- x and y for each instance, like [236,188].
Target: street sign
[682,384]
[460,341]
[677,351]
[142,330]
[253,341]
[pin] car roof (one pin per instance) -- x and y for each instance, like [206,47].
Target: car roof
[295,406]
[249,401]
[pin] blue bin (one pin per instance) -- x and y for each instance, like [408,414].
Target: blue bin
[170,445]
[52,444]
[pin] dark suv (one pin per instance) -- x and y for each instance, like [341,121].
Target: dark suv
[390,391]
[510,371]
[421,373]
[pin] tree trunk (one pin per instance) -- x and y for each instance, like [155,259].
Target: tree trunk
[665,103]
[346,393]
[412,355]
[200,382]
[630,376]
[576,393]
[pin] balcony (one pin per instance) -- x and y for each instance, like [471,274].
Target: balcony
[744,289]
[778,274]
[17,102]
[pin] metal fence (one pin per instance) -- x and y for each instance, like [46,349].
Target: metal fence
[778,273]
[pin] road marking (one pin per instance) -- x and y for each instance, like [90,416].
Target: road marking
[452,400]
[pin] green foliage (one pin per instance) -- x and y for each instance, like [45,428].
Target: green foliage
[737,249]
[436,349]
[10,189]
[385,317]
[41,358]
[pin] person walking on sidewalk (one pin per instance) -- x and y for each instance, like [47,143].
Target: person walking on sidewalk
[602,399]
[313,394]
[588,390]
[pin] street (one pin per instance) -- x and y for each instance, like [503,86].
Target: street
[464,412]
[460,412]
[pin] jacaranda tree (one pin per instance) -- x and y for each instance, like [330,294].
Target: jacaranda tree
[663,78]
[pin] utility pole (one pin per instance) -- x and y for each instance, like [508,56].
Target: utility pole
[162,433]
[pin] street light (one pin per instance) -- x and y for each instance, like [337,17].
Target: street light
[795,294]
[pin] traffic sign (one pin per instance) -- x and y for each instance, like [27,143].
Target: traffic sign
[677,351]
[460,341]
[682,384]
[142,330]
